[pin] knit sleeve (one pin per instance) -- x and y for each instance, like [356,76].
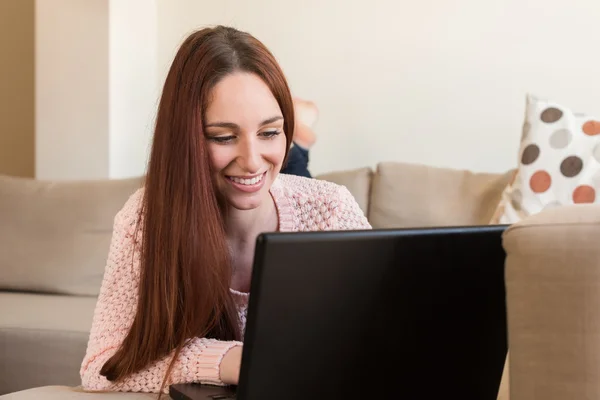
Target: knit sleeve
[200,359]
[348,214]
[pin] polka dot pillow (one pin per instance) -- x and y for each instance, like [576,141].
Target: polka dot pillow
[559,162]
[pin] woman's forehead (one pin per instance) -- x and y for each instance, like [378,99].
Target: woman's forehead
[241,98]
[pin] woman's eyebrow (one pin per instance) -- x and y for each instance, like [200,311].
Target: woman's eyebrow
[231,125]
[271,120]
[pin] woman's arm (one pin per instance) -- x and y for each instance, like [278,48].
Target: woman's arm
[347,213]
[199,361]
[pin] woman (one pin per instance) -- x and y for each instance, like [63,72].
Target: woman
[173,301]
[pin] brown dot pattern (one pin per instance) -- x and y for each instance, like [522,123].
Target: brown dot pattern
[559,139]
[530,154]
[559,162]
[571,166]
[551,115]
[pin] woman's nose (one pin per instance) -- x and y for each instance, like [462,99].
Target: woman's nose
[249,157]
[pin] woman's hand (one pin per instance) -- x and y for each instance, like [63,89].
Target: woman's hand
[230,366]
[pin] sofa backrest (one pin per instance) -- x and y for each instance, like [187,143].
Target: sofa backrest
[357,181]
[55,236]
[399,195]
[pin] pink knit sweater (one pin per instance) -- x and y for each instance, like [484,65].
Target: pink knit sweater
[302,205]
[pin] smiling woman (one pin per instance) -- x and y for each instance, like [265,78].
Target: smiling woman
[246,141]
[172,306]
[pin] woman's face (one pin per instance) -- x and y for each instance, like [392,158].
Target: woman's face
[245,137]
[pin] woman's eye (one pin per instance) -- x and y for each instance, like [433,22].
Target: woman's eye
[221,139]
[270,134]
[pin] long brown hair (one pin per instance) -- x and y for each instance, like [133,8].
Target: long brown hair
[185,262]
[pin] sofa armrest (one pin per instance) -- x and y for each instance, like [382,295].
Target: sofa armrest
[553,304]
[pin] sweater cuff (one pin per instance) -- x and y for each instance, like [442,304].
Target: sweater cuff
[209,365]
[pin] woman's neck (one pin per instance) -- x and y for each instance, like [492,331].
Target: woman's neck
[243,226]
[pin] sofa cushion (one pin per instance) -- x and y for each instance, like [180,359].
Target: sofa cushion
[413,195]
[75,393]
[357,181]
[43,339]
[55,235]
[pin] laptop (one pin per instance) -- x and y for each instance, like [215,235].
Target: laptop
[374,314]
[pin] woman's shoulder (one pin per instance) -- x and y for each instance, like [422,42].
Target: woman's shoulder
[131,209]
[318,204]
[309,188]
[299,191]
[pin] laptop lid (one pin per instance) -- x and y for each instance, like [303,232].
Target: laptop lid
[408,313]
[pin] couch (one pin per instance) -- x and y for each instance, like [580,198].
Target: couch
[54,238]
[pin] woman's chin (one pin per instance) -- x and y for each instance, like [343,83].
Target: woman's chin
[244,205]
[246,201]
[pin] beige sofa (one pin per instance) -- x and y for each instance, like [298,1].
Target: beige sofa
[54,240]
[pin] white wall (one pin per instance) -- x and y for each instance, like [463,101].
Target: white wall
[133,85]
[71,89]
[436,81]
[96,87]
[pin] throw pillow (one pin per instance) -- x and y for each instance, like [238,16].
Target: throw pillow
[559,162]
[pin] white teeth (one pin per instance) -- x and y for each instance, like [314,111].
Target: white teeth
[242,181]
